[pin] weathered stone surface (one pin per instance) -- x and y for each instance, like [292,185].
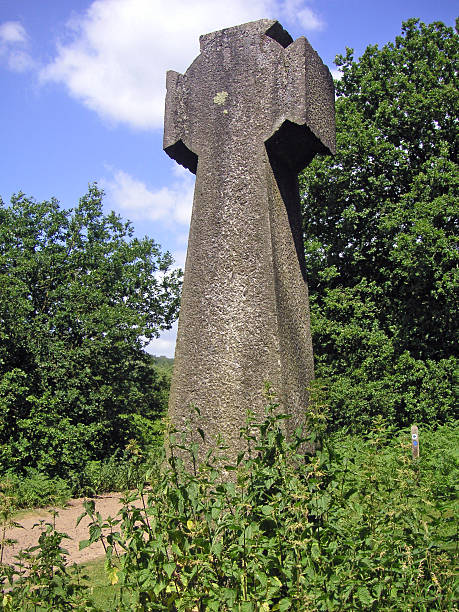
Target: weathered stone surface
[251,111]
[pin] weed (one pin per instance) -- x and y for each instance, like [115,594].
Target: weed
[358,525]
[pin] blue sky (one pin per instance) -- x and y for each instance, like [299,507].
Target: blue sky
[82,92]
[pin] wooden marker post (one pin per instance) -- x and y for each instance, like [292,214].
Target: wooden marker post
[415,442]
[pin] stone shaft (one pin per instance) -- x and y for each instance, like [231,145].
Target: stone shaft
[249,113]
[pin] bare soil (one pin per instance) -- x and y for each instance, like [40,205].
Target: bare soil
[27,535]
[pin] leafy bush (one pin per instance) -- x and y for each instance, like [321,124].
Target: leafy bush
[42,579]
[35,489]
[80,297]
[120,472]
[380,224]
[357,526]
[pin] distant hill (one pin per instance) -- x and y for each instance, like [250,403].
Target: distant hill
[166,363]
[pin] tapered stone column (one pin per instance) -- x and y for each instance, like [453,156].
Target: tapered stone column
[250,112]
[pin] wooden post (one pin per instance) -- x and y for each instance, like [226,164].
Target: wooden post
[415,442]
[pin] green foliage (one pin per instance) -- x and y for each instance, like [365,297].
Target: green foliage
[380,222]
[358,526]
[33,489]
[121,472]
[42,579]
[166,364]
[355,527]
[79,298]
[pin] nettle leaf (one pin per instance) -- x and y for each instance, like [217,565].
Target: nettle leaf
[94,533]
[364,596]
[262,578]
[284,604]
[216,549]
[158,587]
[84,544]
[315,551]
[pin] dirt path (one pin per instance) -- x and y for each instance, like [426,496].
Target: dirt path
[107,505]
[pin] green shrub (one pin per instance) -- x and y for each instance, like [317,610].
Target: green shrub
[357,526]
[380,227]
[120,472]
[80,297]
[42,579]
[35,489]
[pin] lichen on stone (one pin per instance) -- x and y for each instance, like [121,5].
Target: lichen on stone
[220,97]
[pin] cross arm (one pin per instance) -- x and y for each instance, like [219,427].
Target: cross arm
[174,127]
[308,126]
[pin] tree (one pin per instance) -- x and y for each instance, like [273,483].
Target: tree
[380,223]
[79,299]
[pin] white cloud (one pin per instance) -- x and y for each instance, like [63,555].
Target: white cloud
[172,205]
[13,46]
[117,53]
[179,256]
[294,10]
[165,344]
[12,32]
[309,20]
[336,74]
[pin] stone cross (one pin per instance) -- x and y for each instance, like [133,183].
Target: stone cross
[250,112]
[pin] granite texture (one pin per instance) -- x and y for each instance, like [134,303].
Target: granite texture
[251,111]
